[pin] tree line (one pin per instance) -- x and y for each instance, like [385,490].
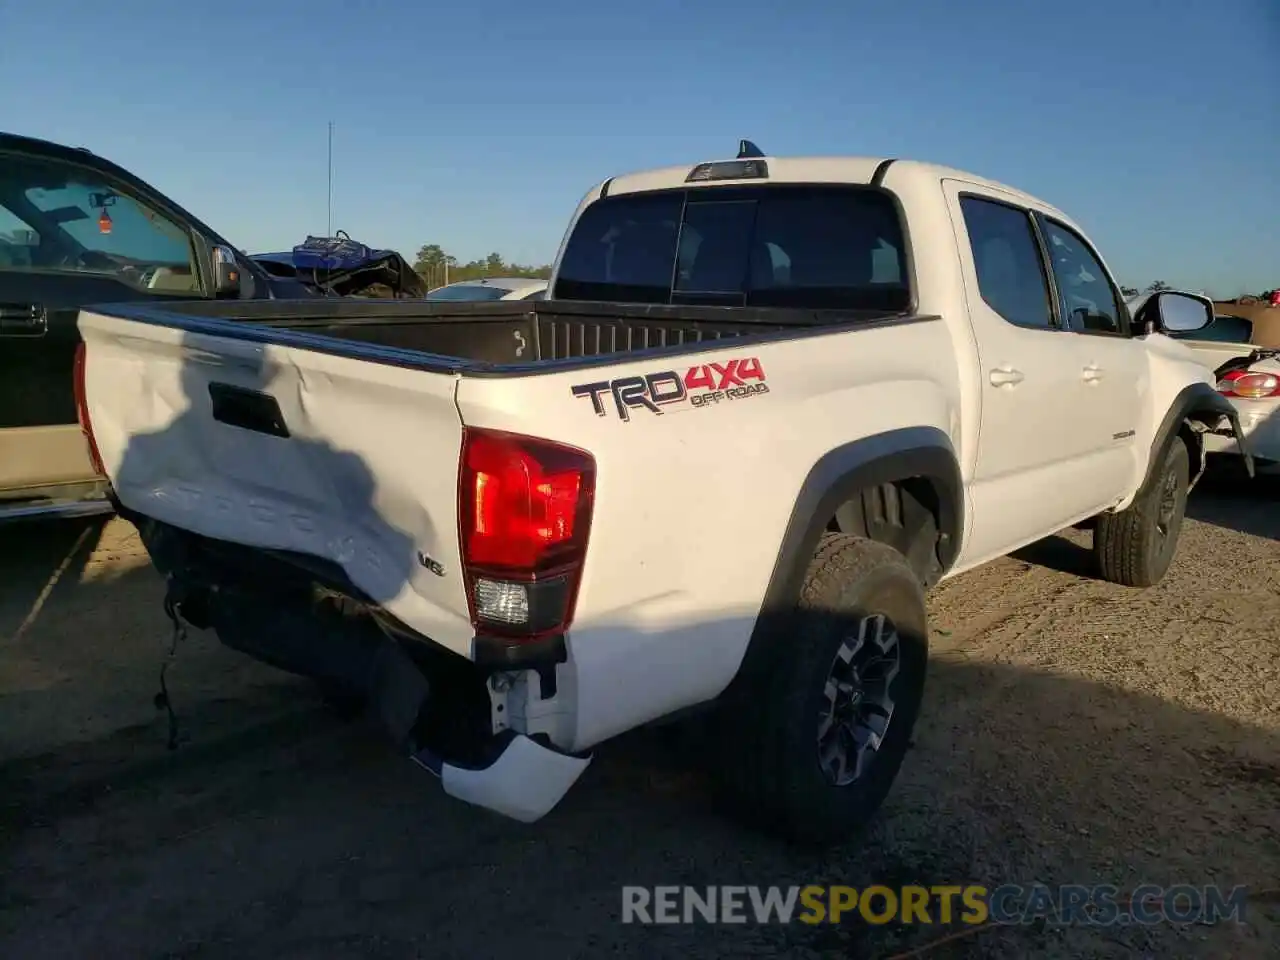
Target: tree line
[437,267]
[1157,285]
[1154,287]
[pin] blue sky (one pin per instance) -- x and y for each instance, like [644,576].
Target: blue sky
[1156,125]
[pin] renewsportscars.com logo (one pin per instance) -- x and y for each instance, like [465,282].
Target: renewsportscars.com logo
[701,386]
[968,904]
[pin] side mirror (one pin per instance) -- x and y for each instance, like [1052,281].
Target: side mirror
[1170,312]
[226,272]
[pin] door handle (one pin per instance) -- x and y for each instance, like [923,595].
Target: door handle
[23,320]
[1005,376]
[1091,374]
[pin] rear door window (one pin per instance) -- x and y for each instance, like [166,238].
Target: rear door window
[1007,260]
[810,247]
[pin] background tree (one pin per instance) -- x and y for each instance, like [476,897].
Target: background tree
[1129,291]
[437,267]
[1156,286]
[431,256]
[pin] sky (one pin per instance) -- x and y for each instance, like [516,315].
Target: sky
[1155,124]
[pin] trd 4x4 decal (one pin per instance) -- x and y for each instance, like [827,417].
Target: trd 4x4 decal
[705,385]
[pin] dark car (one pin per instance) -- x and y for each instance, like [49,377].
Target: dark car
[75,230]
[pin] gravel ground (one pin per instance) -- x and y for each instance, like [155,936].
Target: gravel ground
[1074,732]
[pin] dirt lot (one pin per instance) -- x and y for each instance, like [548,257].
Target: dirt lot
[1074,732]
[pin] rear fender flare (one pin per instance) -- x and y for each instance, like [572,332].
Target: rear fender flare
[924,452]
[1196,403]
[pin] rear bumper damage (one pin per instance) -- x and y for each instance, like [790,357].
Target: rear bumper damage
[511,774]
[524,782]
[434,705]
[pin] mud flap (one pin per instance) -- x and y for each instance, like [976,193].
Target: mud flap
[397,692]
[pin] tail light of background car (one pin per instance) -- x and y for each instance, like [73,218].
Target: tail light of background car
[82,409]
[1249,385]
[524,512]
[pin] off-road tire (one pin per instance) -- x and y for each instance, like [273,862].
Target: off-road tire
[1136,546]
[767,736]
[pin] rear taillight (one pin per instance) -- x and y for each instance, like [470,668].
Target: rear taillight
[1250,386]
[524,512]
[82,409]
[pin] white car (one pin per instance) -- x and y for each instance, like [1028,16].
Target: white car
[491,288]
[1253,387]
[768,403]
[1249,378]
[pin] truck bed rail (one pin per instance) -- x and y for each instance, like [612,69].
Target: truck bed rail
[491,337]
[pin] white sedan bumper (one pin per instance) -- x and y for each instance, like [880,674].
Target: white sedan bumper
[1260,422]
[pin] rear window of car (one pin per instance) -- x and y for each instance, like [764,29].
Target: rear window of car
[811,247]
[468,291]
[1223,329]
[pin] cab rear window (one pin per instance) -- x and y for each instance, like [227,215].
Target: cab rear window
[811,247]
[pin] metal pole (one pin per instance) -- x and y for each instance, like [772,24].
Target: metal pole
[330,233]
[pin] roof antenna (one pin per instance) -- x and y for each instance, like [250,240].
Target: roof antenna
[748,150]
[330,233]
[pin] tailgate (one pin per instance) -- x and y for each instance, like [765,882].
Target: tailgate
[280,447]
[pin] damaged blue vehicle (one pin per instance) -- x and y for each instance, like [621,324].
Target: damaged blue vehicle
[341,267]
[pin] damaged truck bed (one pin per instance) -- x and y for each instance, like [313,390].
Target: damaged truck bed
[260,528]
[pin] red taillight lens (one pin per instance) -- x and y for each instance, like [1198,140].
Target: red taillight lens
[524,509]
[1250,386]
[82,408]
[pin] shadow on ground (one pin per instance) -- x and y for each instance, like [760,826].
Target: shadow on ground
[1225,498]
[84,636]
[1061,553]
[35,556]
[1228,499]
[306,838]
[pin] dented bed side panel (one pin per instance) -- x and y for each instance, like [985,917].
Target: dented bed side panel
[274,447]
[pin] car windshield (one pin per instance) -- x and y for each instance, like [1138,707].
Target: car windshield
[783,246]
[468,291]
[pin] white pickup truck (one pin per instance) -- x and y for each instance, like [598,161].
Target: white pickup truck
[767,404]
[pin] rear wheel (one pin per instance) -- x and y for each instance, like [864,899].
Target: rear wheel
[1135,547]
[815,741]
